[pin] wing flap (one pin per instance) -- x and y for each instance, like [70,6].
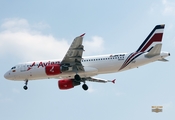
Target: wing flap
[92,79]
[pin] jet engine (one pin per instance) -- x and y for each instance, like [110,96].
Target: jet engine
[67,84]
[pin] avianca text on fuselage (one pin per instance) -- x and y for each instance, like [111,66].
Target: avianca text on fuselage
[42,64]
[75,69]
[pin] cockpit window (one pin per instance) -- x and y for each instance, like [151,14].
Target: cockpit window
[13,67]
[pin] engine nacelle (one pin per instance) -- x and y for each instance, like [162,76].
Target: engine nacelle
[53,69]
[67,84]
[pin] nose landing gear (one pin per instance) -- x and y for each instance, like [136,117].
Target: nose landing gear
[25,86]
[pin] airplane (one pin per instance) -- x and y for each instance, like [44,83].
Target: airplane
[157,109]
[74,68]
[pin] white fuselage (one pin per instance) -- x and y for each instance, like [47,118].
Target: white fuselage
[93,65]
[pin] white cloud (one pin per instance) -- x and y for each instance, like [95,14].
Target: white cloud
[169,7]
[15,90]
[29,46]
[119,94]
[96,45]
[41,26]
[5,100]
[167,105]
[22,40]
[15,24]
[165,7]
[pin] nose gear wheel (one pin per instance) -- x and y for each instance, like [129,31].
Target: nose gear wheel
[25,86]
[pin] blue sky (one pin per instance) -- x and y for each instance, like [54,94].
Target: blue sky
[36,30]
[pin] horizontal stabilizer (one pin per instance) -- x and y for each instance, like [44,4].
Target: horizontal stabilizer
[163,60]
[154,51]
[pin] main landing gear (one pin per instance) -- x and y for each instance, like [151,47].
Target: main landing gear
[85,87]
[25,86]
[78,78]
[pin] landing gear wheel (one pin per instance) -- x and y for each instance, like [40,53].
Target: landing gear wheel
[77,77]
[25,87]
[85,87]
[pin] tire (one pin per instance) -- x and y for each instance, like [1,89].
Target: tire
[25,87]
[77,77]
[85,87]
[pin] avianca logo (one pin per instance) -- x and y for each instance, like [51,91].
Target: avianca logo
[42,64]
[52,69]
[30,67]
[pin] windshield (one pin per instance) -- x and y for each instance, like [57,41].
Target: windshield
[13,67]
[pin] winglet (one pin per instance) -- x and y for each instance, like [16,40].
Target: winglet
[113,81]
[82,35]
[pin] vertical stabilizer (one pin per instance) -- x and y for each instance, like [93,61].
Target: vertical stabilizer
[155,37]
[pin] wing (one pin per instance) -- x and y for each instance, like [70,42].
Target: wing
[74,55]
[98,80]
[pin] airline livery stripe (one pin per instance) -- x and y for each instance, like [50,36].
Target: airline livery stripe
[130,58]
[133,54]
[156,38]
[157,29]
[127,58]
[134,58]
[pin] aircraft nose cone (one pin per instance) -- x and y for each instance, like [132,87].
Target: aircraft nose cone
[7,75]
